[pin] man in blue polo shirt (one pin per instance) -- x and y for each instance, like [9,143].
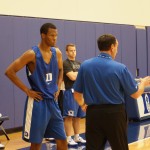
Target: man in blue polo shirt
[100,88]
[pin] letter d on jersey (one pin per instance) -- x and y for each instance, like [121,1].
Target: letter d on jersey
[48,77]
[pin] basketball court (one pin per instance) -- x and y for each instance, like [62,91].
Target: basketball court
[137,132]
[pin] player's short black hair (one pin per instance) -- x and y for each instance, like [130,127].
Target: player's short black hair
[46,26]
[70,44]
[105,41]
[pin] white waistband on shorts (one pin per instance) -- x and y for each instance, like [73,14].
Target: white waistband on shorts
[72,90]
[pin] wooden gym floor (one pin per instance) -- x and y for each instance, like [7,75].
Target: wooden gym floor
[138,137]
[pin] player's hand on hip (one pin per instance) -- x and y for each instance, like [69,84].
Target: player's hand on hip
[56,95]
[35,95]
[84,107]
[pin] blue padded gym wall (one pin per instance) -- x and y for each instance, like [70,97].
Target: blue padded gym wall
[148,48]
[141,52]
[85,38]
[116,31]
[99,31]
[128,47]
[20,44]
[21,33]
[69,34]
[90,40]
[6,57]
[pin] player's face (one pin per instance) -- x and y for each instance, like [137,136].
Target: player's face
[51,37]
[71,52]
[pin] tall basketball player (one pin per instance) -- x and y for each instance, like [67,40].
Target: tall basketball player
[42,117]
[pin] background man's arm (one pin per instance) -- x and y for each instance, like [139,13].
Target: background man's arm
[72,75]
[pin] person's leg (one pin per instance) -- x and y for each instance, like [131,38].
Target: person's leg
[69,112]
[68,125]
[76,125]
[95,137]
[36,119]
[119,126]
[55,127]
[35,146]
[61,144]
[76,128]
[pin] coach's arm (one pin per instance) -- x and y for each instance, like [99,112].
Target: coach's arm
[80,100]
[143,83]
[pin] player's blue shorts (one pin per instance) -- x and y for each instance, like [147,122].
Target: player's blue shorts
[70,106]
[42,120]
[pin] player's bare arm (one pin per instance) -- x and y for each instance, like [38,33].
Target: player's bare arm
[60,74]
[27,58]
[72,75]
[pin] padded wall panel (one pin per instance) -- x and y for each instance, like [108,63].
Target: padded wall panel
[20,42]
[141,52]
[114,30]
[20,33]
[69,33]
[6,57]
[90,39]
[85,40]
[99,31]
[81,40]
[128,47]
[148,48]
[33,31]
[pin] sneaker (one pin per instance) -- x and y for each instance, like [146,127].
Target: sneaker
[80,140]
[71,142]
[2,146]
[49,139]
[81,147]
[71,148]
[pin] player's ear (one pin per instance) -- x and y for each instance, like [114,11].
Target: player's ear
[66,52]
[112,48]
[42,35]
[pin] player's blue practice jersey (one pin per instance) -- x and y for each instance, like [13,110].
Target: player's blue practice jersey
[44,77]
